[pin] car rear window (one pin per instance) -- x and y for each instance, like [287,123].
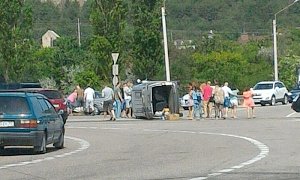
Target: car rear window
[14,105]
[52,94]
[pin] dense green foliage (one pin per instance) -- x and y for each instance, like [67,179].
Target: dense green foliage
[133,28]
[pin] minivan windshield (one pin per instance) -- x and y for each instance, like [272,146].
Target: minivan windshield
[13,105]
[263,86]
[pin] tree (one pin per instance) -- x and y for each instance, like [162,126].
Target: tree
[147,40]
[108,20]
[15,28]
[288,66]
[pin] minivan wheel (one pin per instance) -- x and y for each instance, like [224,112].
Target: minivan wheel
[285,99]
[273,101]
[42,148]
[60,143]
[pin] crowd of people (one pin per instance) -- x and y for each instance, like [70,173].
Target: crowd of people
[204,98]
[116,101]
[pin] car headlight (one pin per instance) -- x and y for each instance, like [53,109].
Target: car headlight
[289,94]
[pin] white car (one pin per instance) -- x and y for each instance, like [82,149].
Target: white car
[184,101]
[270,92]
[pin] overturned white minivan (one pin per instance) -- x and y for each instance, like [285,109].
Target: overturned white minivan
[150,97]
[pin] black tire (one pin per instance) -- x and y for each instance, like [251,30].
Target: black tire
[285,99]
[60,143]
[185,108]
[42,148]
[262,104]
[96,110]
[273,101]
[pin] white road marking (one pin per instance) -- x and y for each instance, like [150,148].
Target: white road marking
[291,114]
[83,146]
[264,150]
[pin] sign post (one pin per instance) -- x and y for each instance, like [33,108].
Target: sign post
[115,69]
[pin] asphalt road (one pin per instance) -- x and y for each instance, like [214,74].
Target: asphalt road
[262,148]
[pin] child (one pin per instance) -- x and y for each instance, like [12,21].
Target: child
[248,102]
[197,98]
[165,112]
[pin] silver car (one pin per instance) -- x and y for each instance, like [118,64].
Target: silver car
[98,102]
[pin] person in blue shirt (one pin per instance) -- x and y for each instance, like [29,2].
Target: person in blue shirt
[197,98]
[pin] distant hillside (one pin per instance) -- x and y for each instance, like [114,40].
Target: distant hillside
[229,17]
[61,2]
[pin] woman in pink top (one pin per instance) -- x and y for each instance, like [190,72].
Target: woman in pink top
[72,100]
[248,102]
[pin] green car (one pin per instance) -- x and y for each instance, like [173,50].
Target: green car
[29,119]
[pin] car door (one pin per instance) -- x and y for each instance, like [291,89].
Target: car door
[56,119]
[49,122]
[280,90]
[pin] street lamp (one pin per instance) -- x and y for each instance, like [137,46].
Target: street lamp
[163,12]
[275,40]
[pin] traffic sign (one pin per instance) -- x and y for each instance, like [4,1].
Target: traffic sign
[115,80]
[115,69]
[115,57]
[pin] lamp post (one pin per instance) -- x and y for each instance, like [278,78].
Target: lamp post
[275,40]
[163,12]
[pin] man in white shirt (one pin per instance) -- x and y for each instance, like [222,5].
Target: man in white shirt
[89,96]
[127,97]
[227,91]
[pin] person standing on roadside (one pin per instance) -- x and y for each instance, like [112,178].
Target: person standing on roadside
[227,92]
[89,96]
[190,101]
[219,100]
[207,94]
[71,101]
[127,97]
[197,97]
[80,97]
[108,96]
[249,103]
[118,100]
[234,104]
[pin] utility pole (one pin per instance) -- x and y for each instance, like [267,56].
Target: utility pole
[163,12]
[78,30]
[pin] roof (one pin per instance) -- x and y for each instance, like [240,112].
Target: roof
[268,82]
[52,33]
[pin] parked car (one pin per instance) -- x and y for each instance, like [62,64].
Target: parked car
[29,119]
[184,101]
[98,102]
[55,97]
[293,93]
[296,104]
[270,92]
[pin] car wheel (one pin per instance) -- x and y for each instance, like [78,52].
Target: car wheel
[285,99]
[262,104]
[96,110]
[273,101]
[60,143]
[42,148]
